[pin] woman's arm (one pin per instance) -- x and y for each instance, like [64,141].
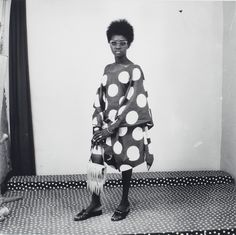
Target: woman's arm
[97,117]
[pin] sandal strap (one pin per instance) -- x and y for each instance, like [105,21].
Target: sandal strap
[81,212]
[118,211]
[121,212]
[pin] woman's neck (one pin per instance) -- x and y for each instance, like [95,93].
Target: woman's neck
[122,60]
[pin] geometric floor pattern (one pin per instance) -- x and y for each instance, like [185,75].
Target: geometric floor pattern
[200,209]
[178,178]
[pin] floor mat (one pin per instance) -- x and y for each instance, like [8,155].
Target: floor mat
[172,178]
[153,210]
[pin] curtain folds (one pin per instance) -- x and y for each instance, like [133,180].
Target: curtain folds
[5,163]
[21,129]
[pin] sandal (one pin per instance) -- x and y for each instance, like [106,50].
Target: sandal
[120,215]
[83,215]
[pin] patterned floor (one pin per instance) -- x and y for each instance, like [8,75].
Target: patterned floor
[199,209]
[176,178]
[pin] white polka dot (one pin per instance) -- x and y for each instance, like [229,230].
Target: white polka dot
[125,167]
[121,99]
[141,100]
[133,153]
[112,114]
[97,102]
[136,74]
[130,93]
[123,131]
[112,90]
[131,117]
[137,133]
[108,141]
[117,147]
[150,148]
[123,77]
[104,80]
[121,109]
[95,121]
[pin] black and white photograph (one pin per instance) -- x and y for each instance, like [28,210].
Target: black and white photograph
[117,117]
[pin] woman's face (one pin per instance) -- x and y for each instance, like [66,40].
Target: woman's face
[119,45]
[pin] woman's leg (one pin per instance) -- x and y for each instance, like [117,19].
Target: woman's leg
[126,177]
[94,208]
[95,200]
[123,209]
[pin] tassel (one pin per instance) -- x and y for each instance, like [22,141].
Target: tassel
[96,177]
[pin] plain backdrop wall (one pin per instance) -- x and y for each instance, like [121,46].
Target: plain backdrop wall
[228,159]
[179,52]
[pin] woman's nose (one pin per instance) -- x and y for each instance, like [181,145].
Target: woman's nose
[118,45]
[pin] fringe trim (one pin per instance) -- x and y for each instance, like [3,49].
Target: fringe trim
[96,177]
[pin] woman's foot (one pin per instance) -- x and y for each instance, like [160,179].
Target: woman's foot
[123,206]
[121,212]
[91,211]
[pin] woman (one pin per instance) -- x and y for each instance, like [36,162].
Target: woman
[121,120]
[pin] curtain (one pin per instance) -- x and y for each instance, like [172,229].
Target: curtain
[21,129]
[5,163]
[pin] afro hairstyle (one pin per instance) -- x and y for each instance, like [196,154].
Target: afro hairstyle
[120,27]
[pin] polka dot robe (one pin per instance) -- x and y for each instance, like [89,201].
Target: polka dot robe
[122,98]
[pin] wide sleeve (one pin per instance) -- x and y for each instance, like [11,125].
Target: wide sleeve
[134,109]
[99,106]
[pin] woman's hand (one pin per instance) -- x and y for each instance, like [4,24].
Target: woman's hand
[100,135]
